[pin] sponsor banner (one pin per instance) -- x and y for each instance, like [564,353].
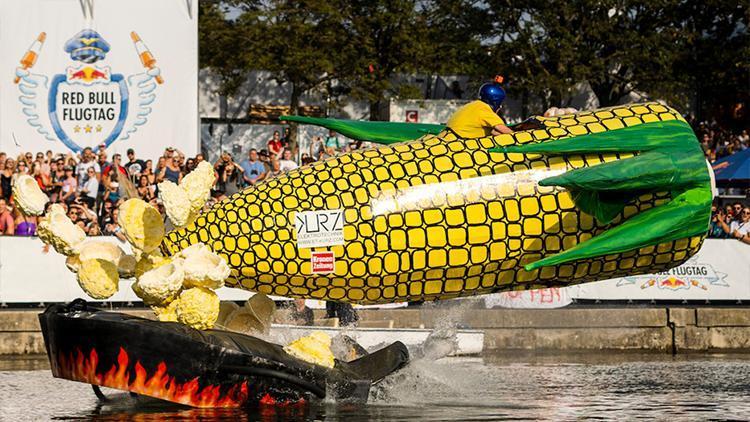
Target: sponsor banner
[116,80]
[530,299]
[322,262]
[319,228]
[719,271]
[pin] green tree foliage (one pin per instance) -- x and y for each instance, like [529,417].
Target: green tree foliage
[716,61]
[388,38]
[618,46]
[222,44]
[297,41]
[383,39]
[678,50]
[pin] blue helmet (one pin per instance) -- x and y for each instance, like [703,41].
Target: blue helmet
[492,94]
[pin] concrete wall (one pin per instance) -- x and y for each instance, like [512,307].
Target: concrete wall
[571,329]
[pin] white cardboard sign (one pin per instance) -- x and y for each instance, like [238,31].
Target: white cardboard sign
[319,228]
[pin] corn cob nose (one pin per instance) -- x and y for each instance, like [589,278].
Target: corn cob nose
[434,218]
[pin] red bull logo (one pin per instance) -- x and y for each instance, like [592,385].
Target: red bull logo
[88,74]
[87,105]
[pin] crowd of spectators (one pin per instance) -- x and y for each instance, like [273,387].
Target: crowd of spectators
[728,220]
[91,185]
[718,140]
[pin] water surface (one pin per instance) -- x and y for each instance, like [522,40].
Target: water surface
[499,387]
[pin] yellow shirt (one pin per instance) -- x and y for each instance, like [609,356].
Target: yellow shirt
[474,120]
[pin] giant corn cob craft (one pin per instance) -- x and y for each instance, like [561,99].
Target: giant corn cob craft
[590,196]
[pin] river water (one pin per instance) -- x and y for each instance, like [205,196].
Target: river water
[499,387]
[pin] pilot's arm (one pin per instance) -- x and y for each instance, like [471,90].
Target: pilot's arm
[500,129]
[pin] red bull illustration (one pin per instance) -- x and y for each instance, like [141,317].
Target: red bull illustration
[87,105]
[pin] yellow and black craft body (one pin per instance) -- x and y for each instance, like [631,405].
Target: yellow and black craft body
[434,218]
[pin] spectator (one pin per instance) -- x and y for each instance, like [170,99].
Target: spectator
[253,169]
[146,190]
[43,180]
[189,165]
[148,171]
[171,170]
[317,148]
[275,147]
[168,152]
[90,189]
[287,138]
[110,177]
[134,166]
[69,186]
[25,225]
[58,175]
[112,188]
[21,168]
[6,178]
[715,230]
[7,225]
[265,158]
[229,181]
[306,159]
[181,161]
[102,159]
[94,229]
[332,142]
[106,213]
[161,163]
[286,163]
[87,160]
[275,169]
[301,314]
[737,211]
[739,228]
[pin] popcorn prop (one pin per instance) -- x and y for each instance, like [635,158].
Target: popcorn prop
[166,313]
[184,202]
[176,203]
[315,348]
[99,249]
[177,289]
[57,230]
[198,307]
[142,224]
[161,285]
[203,268]
[98,278]
[126,266]
[29,196]
[253,318]
[198,184]
[148,262]
[73,263]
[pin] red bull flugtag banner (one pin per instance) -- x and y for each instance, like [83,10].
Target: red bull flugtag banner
[114,74]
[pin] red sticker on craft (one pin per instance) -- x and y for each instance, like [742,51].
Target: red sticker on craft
[322,262]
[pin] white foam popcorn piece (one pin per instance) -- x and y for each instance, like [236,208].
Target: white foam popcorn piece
[29,196]
[57,230]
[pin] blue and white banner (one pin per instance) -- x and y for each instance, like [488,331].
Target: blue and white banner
[122,76]
[720,271]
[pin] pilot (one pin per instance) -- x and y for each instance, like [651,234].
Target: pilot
[479,118]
